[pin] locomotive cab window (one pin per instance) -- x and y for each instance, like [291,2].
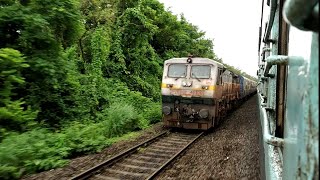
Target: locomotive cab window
[201,71]
[177,70]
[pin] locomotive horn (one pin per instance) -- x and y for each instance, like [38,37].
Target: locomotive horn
[189,60]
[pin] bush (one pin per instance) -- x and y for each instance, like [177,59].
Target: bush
[83,138]
[122,118]
[148,110]
[153,113]
[33,151]
[9,172]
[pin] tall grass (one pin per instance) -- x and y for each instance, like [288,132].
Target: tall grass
[122,118]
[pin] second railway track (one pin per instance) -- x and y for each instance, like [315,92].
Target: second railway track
[143,161]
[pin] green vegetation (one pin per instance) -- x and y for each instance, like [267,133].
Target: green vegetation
[77,75]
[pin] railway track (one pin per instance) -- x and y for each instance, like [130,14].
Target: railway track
[143,161]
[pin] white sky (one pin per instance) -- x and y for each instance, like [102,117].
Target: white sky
[232,24]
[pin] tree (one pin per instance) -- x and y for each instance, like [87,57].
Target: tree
[14,114]
[41,30]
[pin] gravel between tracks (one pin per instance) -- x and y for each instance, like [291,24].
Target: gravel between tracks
[231,151]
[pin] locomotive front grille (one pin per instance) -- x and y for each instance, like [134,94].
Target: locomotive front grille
[187,110]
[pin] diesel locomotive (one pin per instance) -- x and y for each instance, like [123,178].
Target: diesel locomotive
[288,90]
[197,93]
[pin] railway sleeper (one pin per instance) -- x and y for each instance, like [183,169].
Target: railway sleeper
[169,144]
[164,156]
[164,148]
[179,139]
[175,142]
[183,136]
[156,150]
[148,158]
[124,174]
[142,163]
[134,168]
[101,177]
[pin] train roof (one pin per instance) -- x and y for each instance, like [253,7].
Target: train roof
[203,60]
[247,79]
[194,60]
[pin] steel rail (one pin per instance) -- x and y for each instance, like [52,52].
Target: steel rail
[89,172]
[173,157]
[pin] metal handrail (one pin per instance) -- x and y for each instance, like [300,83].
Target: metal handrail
[281,60]
[273,9]
[267,137]
[275,60]
[270,61]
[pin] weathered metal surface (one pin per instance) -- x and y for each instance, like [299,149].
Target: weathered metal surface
[271,158]
[288,90]
[301,132]
[267,137]
[303,14]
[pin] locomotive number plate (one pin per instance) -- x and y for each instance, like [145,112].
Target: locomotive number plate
[187,93]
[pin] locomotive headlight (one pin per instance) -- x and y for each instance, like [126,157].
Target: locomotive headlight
[204,113]
[189,83]
[166,110]
[169,85]
[205,87]
[184,83]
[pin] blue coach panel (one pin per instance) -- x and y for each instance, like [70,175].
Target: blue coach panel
[241,81]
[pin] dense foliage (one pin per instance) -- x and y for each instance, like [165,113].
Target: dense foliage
[75,75]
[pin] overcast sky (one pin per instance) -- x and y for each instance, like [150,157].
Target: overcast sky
[232,24]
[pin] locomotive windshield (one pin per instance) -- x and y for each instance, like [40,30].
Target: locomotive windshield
[177,70]
[200,71]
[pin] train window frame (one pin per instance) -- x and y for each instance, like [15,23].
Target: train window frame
[185,74]
[220,72]
[210,70]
